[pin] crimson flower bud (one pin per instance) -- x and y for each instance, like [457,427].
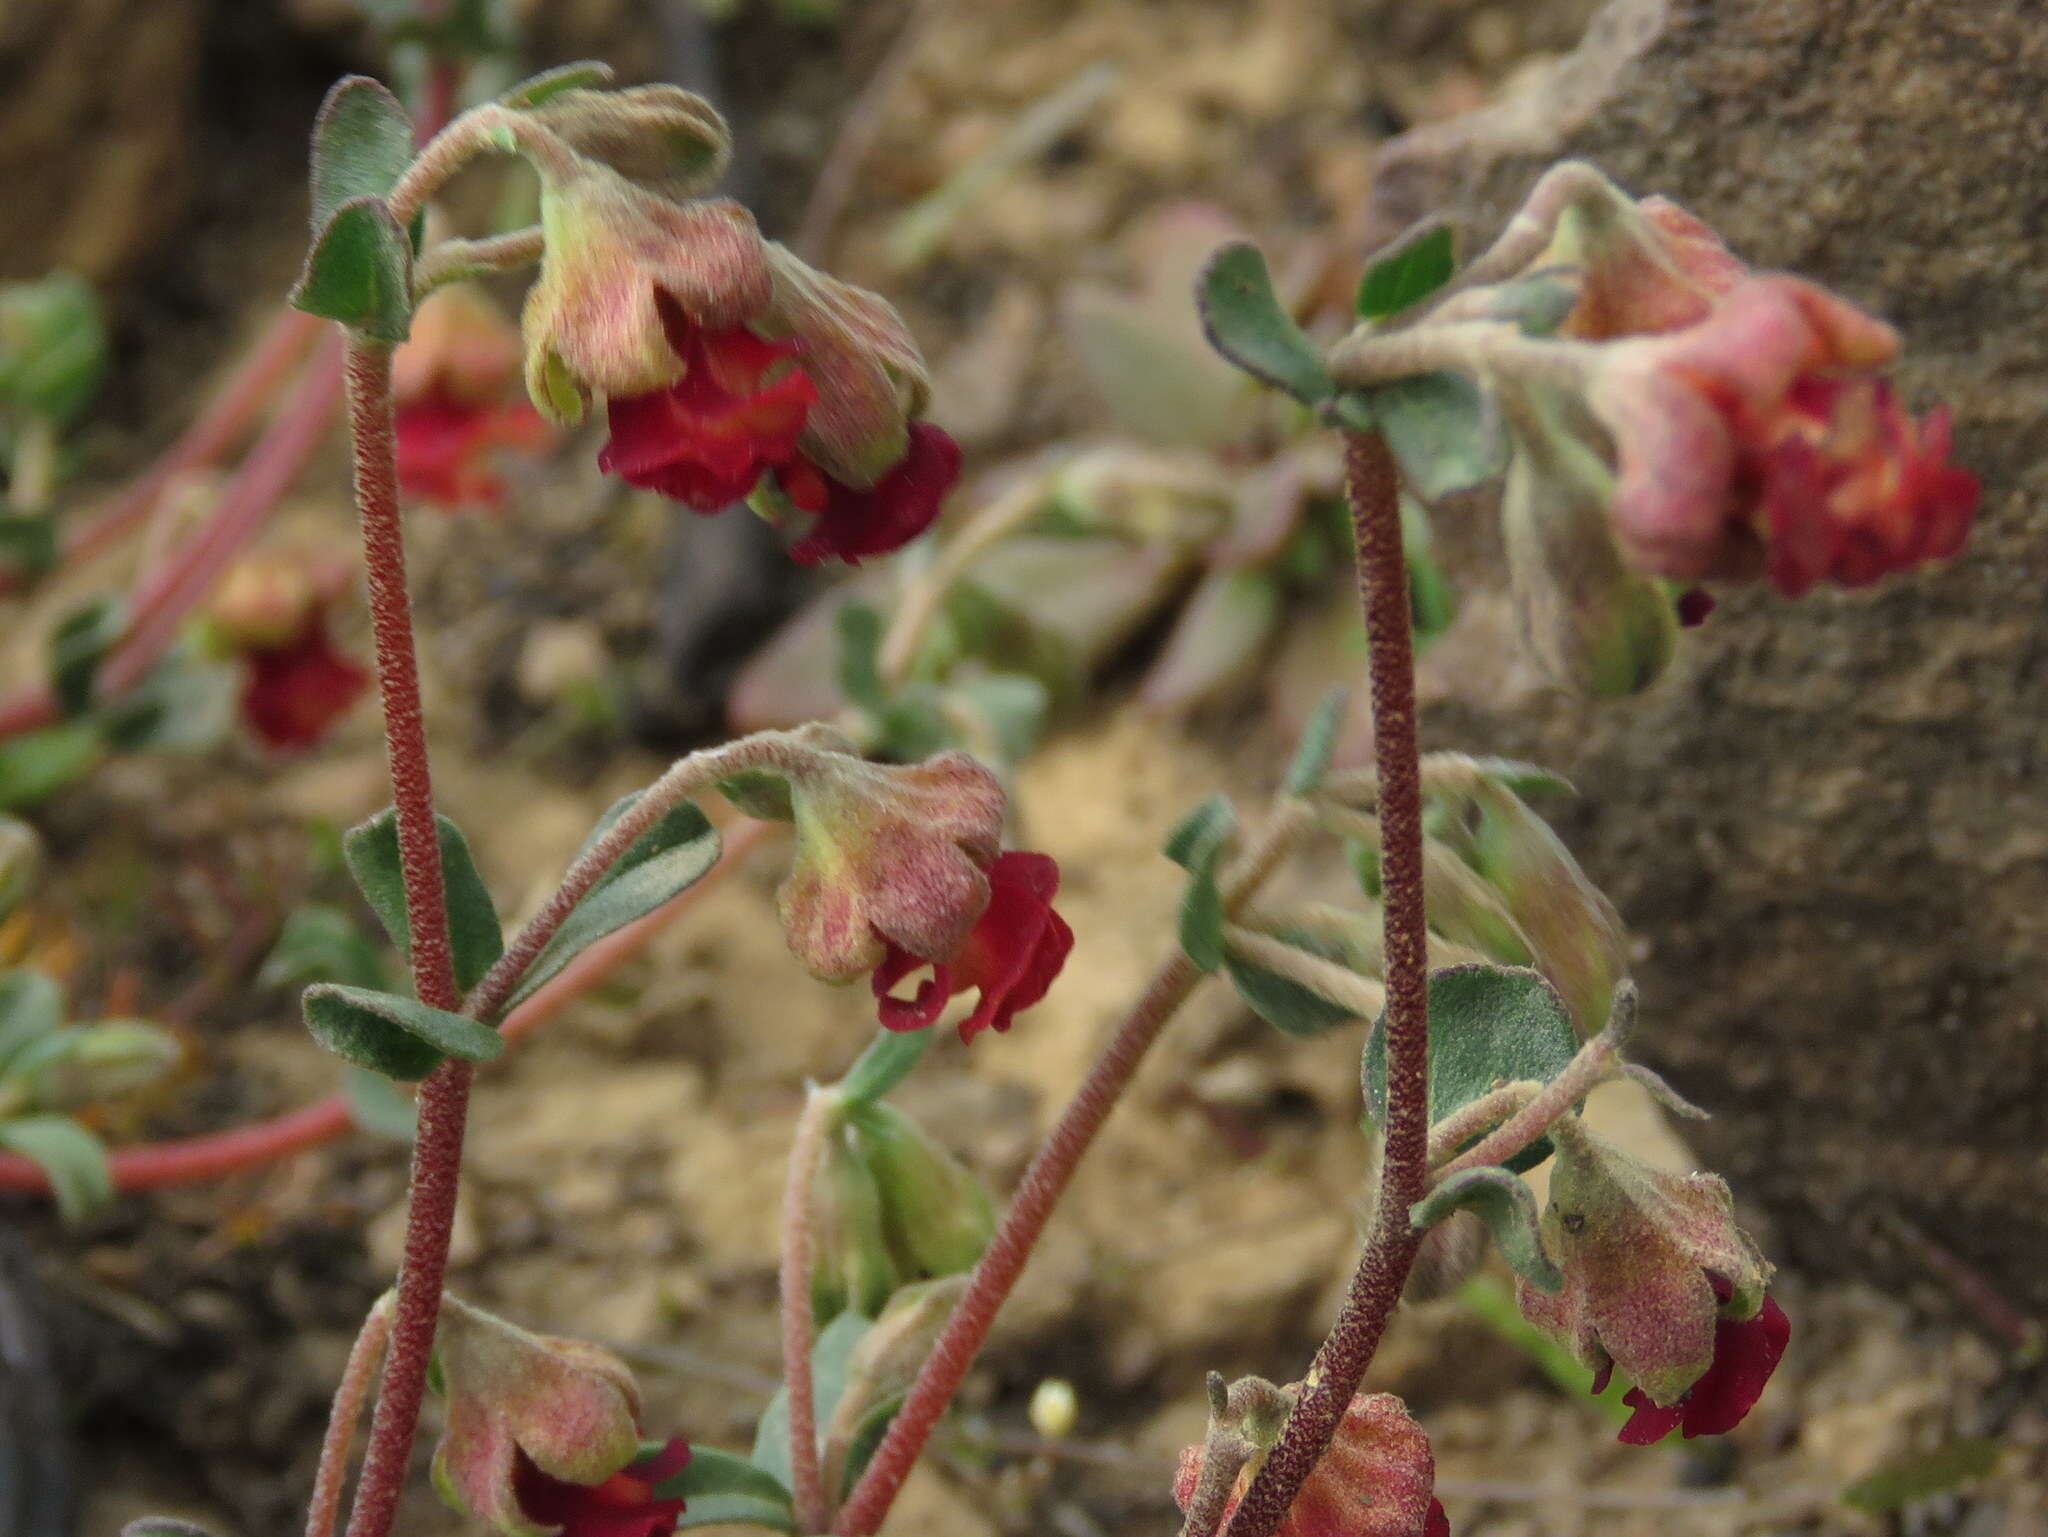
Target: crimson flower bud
[1660,1284]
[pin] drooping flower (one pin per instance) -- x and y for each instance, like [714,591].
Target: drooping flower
[272,611]
[706,439]
[1012,954]
[542,1434]
[1659,1284]
[449,381]
[1761,441]
[1641,267]
[624,1505]
[899,867]
[1376,1480]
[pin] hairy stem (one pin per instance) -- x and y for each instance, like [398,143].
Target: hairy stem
[1044,1182]
[1593,1064]
[444,1097]
[1327,1390]
[350,1394]
[814,1128]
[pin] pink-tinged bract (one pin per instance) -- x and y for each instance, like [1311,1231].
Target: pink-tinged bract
[1012,954]
[624,1505]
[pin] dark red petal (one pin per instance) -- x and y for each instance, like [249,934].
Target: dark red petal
[707,438]
[1602,1377]
[910,1013]
[1438,1524]
[1694,605]
[852,525]
[1746,1353]
[1019,944]
[1650,1423]
[624,1505]
[293,694]
[445,447]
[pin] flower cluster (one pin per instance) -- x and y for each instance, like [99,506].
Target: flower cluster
[900,867]
[1738,422]
[730,369]
[272,612]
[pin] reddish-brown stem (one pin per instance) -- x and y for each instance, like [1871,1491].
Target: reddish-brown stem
[444,1097]
[1044,1182]
[276,461]
[1374,486]
[350,1394]
[814,1127]
[226,417]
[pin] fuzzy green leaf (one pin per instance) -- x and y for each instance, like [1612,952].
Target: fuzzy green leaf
[37,764]
[371,852]
[28,545]
[78,645]
[1508,1208]
[359,272]
[860,643]
[1282,1002]
[1924,1475]
[831,1356]
[31,1007]
[1197,844]
[1414,267]
[1245,321]
[1318,742]
[397,1036]
[186,703]
[669,858]
[1488,1026]
[724,1488]
[1437,426]
[362,143]
[319,943]
[73,1157]
[585,74]
[376,1106]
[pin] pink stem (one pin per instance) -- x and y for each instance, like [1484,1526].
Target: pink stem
[1339,1367]
[350,1394]
[806,1157]
[444,1097]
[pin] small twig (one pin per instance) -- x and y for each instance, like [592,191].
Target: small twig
[1593,1064]
[350,1394]
[814,1127]
[926,593]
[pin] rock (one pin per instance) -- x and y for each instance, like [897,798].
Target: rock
[1830,829]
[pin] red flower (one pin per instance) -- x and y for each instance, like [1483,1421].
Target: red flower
[706,439]
[1760,441]
[852,524]
[295,691]
[444,448]
[624,1505]
[1012,954]
[1746,1352]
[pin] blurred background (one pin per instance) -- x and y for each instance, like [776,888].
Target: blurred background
[1826,830]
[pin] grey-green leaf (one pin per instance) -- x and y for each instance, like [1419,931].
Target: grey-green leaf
[1282,1002]
[377,1107]
[73,1157]
[723,1488]
[1488,1026]
[1417,264]
[1197,844]
[1508,1208]
[362,143]
[78,645]
[1244,320]
[393,1035]
[31,1007]
[584,74]
[371,851]
[1923,1475]
[1438,427]
[668,859]
[1318,742]
[359,272]
[831,1356]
